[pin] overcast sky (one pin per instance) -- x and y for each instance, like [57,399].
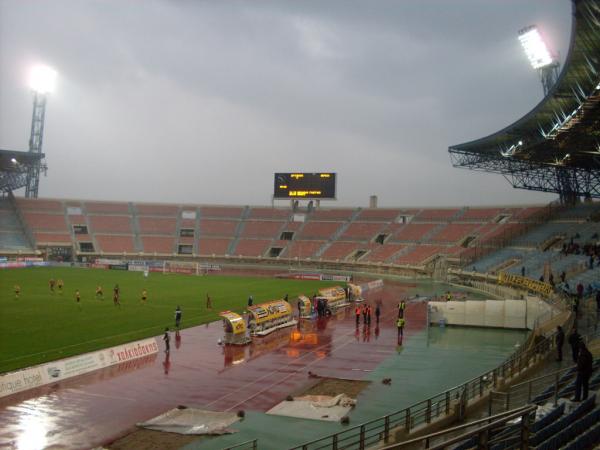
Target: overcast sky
[202,101]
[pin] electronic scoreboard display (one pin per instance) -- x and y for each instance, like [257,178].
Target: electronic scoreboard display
[305,185]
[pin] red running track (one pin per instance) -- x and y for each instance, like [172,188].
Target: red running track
[97,408]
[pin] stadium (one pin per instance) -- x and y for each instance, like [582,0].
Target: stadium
[300,325]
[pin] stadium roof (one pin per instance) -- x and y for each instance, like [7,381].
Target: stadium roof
[14,166]
[560,137]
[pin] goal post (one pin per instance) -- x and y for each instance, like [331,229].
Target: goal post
[186,267]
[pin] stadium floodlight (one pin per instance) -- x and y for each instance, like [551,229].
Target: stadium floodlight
[535,47]
[540,56]
[13,160]
[42,80]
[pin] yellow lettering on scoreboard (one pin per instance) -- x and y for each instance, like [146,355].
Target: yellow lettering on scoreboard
[325,175]
[297,176]
[283,186]
[303,193]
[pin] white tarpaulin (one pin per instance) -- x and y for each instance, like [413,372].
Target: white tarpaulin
[316,407]
[192,421]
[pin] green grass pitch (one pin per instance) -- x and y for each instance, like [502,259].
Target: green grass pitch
[40,326]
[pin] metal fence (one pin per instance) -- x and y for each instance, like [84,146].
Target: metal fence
[483,433]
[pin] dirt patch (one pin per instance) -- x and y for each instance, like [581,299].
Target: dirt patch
[151,440]
[336,386]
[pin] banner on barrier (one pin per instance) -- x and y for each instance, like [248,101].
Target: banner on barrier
[518,281]
[327,277]
[13,382]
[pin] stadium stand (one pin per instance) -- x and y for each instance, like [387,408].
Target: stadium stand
[251,247]
[480,214]
[208,246]
[269,213]
[45,222]
[455,232]
[302,249]
[151,225]
[319,230]
[413,232]
[40,205]
[332,214]
[341,250]
[12,235]
[213,227]
[52,238]
[261,228]
[418,254]
[221,211]
[378,215]
[114,244]
[324,234]
[437,214]
[111,224]
[362,231]
[158,244]
[107,208]
[382,253]
[146,209]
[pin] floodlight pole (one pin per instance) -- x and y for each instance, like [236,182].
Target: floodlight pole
[549,75]
[35,143]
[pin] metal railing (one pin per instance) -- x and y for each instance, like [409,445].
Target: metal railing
[523,393]
[453,401]
[482,432]
[248,445]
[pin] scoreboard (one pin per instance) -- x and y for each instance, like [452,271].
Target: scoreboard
[305,185]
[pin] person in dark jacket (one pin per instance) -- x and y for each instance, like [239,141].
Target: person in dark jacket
[584,372]
[560,341]
[574,340]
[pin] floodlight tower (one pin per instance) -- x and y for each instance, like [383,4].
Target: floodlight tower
[41,81]
[540,57]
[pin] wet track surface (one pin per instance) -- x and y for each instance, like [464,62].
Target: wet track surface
[97,408]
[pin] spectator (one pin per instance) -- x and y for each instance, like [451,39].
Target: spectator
[584,372]
[574,339]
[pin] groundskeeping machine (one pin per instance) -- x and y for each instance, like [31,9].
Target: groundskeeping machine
[267,317]
[334,298]
[235,329]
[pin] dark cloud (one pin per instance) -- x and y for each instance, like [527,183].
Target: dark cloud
[179,101]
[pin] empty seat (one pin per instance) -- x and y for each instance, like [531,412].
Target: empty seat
[151,225]
[114,244]
[212,227]
[207,246]
[111,224]
[107,207]
[362,231]
[261,228]
[340,250]
[158,244]
[251,247]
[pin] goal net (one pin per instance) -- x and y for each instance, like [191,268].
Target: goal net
[187,267]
